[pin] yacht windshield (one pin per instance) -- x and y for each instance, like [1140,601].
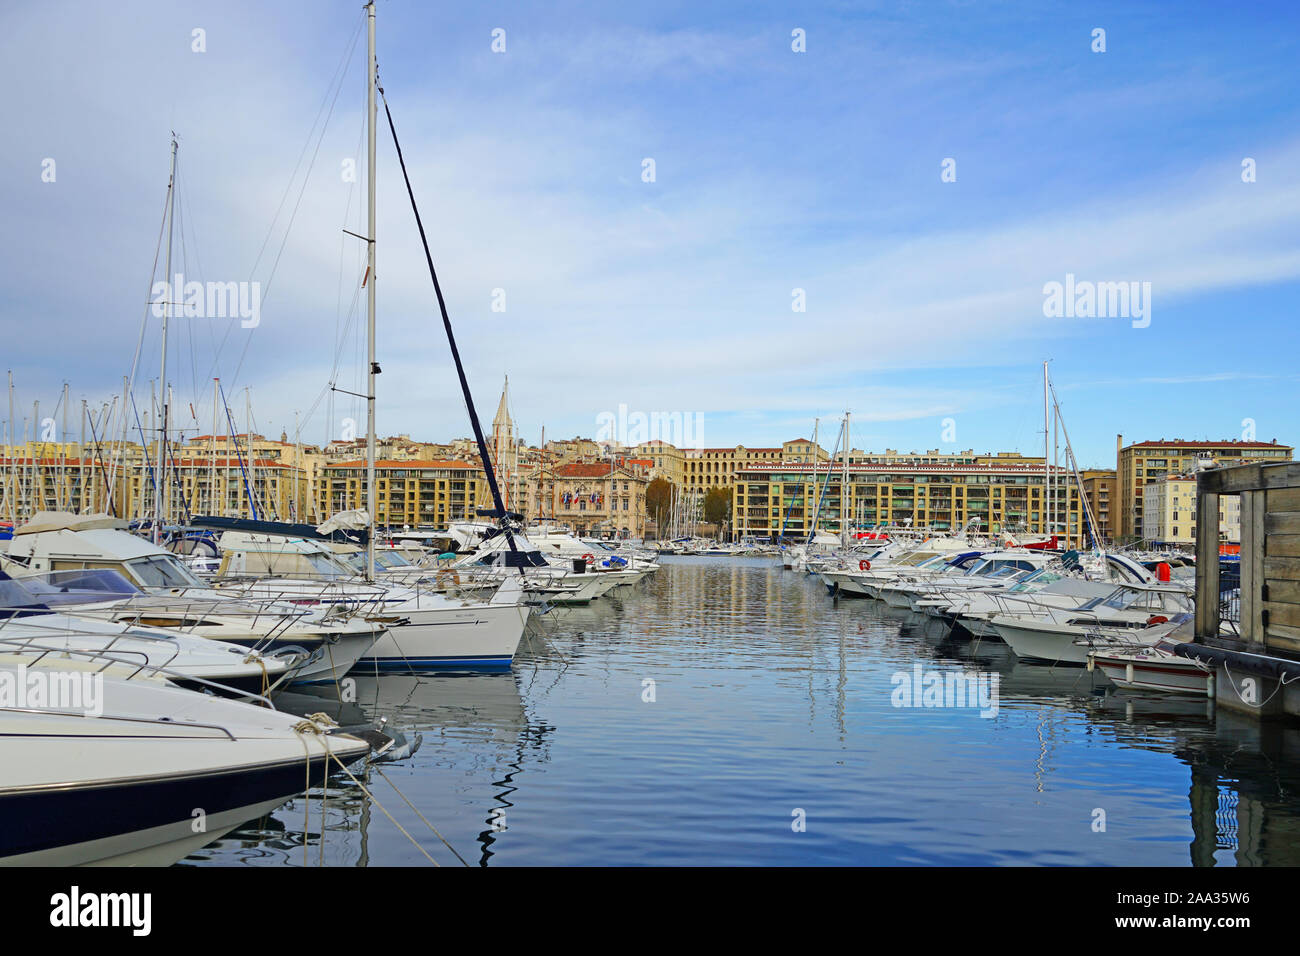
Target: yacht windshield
[17,600]
[1040,578]
[163,571]
[82,586]
[355,563]
[1118,599]
[336,565]
[1004,572]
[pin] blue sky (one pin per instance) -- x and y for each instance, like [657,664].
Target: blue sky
[775,170]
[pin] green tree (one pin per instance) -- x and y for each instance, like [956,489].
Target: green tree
[658,501]
[717,506]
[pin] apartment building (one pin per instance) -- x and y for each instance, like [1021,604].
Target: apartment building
[1099,489]
[408,493]
[1140,463]
[669,460]
[785,499]
[1169,512]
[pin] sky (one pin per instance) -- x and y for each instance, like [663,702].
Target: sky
[866,224]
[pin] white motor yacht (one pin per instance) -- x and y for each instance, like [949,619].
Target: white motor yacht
[153,774]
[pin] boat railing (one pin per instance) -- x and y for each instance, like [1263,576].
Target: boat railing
[119,658]
[169,721]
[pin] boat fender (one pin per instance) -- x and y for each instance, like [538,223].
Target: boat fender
[864,565]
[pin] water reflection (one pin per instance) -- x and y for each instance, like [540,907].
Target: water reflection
[770,695]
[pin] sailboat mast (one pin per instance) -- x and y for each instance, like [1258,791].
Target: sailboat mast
[13,458]
[372,492]
[213,507]
[816,425]
[844,490]
[1047,461]
[160,506]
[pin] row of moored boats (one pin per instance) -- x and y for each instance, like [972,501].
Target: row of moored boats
[136,677]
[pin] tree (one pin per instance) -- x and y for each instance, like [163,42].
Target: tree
[658,501]
[717,506]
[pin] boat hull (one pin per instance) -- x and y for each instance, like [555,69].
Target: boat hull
[1170,676]
[476,637]
[115,823]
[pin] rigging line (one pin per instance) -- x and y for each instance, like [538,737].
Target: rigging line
[148,304]
[99,458]
[497,503]
[144,446]
[185,267]
[343,251]
[231,422]
[338,348]
[268,503]
[347,56]
[288,188]
[211,343]
[817,515]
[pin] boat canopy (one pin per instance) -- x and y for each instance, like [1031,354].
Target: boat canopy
[67,521]
[282,529]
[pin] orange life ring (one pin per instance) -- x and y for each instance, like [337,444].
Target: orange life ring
[1155,619]
[589,558]
[864,565]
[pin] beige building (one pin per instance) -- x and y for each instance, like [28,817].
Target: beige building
[706,468]
[786,499]
[1169,512]
[409,493]
[1143,462]
[1100,489]
[592,498]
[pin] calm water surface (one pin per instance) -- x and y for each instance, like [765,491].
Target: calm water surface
[770,698]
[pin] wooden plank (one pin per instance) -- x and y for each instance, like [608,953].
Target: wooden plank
[1286,568]
[1207,564]
[1281,475]
[1284,499]
[1284,638]
[1252,569]
[1282,545]
[1240,478]
[1285,592]
[1282,522]
[1287,615]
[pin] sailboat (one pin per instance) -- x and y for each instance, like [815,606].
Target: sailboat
[423,629]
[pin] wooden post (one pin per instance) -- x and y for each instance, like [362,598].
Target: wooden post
[1207,562]
[1253,511]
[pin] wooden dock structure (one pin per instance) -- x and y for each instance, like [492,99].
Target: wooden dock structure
[1252,642]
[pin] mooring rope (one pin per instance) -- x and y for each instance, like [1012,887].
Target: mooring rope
[319,725]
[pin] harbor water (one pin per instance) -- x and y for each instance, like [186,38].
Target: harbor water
[726,712]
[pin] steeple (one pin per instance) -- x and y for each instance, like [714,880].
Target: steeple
[503,443]
[502,421]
